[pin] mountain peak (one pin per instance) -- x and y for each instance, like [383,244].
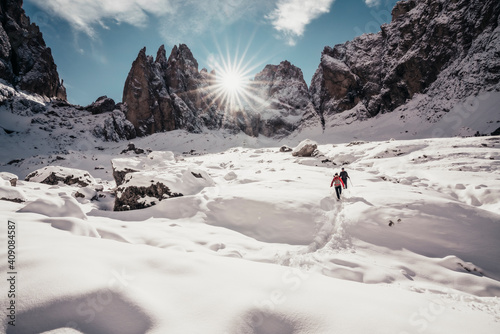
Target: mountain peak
[25,61]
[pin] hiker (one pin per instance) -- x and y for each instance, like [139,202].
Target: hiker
[344,176]
[337,181]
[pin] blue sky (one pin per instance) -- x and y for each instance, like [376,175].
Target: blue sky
[94,42]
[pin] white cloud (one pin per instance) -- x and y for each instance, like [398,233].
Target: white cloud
[290,17]
[182,20]
[372,3]
[178,20]
[85,15]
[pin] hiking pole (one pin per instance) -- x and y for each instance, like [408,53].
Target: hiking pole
[351,182]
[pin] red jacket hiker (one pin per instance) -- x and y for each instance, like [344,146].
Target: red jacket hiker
[339,184]
[338,181]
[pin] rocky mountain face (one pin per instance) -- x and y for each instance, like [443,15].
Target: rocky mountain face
[30,88]
[287,99]
[25,61]
[445,49]
[165,94]
[433,55]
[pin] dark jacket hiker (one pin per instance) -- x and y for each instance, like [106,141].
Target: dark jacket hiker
[344,176]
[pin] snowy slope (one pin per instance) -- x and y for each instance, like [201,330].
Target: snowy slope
[411,247]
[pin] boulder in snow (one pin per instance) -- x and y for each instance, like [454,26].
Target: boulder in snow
[156,160]
[138,197]
[285,148]
[54,175]
[131,148]
[144,189]
[146,180]
[9,193]
[12,178]
[230,176]
[305,149]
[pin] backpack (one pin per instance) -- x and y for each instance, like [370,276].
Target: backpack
[336,181]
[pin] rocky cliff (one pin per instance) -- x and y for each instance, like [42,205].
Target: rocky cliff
[25,61]
[287,96]
[30,88]
[446,49]
[165,94]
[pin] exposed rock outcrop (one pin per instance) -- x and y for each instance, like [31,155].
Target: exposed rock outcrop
[101,105]
[140,197]
[427,42]
[114,127]
[55,174]
[25,61]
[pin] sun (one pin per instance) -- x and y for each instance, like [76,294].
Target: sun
[232,86]
[232,82]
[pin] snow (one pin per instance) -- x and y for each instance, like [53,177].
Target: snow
[260,244]
[62,205]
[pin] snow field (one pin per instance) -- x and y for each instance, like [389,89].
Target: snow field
[266,247]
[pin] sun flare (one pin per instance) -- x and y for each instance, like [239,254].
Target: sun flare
[232,85]
[232,82]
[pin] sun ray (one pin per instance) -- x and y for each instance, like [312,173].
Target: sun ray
[232,87]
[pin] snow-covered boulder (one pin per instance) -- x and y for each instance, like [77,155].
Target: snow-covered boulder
[12,178]
[138,194]
[144,181]
[305,148]
[230,176]
[285,148]
[144,189]
[61,206]
[55,174]
[9,193]
[154,161]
